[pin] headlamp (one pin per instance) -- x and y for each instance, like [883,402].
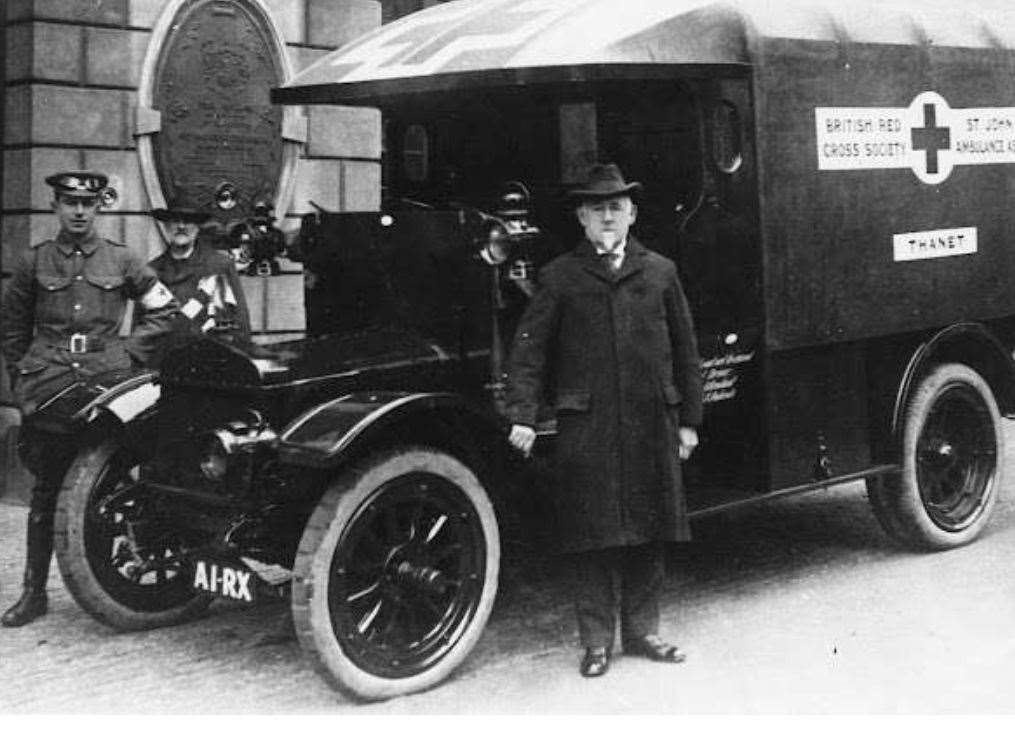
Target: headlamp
[236,437]
[495,246]
[225,196]
[108,197]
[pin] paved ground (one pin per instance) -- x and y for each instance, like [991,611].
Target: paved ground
[798,606]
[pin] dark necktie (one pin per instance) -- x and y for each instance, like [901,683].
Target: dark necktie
[609,262]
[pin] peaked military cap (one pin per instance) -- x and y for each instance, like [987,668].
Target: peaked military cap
[190,214]
[78,182]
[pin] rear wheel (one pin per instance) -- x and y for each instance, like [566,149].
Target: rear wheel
[396,573]
[952,460]
[120,562]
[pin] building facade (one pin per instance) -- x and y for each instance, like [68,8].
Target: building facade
[72,73]
[75,78]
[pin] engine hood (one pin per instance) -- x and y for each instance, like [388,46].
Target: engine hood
[214,364]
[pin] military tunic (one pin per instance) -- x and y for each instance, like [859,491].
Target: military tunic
[63,309]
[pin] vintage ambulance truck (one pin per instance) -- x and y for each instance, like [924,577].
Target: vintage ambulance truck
[836,183]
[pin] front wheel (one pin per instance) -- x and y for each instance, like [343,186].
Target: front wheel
[396,573]
[952,460]
[120,562]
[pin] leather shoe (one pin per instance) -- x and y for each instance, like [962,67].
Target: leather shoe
[596,662]
[654,648]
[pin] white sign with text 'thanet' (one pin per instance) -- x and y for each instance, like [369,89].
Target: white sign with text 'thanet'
[916,246]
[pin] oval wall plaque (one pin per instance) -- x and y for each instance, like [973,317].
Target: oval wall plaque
[204,115]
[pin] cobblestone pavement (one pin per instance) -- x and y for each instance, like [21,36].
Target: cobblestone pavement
[797,606]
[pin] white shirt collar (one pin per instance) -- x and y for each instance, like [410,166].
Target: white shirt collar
[185,256]
[617,251]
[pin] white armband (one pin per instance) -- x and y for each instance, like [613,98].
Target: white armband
[192,308]
[208,284]
[157,297]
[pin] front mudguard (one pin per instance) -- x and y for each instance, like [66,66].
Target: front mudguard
[129,397]
[76,405]
[321,436]
[117,403]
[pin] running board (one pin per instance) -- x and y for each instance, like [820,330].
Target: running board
[732,499]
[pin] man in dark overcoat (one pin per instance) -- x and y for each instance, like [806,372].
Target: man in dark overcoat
[203,279]
[62,313]
[609,332]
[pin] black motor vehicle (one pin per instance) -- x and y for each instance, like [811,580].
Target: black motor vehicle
[848,303]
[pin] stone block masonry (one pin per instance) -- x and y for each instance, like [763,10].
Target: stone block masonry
[72,69]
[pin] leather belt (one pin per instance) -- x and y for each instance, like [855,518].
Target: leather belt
[81,343]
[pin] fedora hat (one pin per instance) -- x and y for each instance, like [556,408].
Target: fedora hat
[603,181]
[189,214]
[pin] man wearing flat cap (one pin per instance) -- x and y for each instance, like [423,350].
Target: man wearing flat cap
[61,318]
[203,279]
[609,332]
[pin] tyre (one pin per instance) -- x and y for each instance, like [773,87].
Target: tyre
[121,564]
[396,573]
[952,460]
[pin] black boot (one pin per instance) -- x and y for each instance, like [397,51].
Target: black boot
[32,603]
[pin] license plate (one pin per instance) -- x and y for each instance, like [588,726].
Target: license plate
[223,580]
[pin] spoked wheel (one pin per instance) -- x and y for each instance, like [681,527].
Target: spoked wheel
[120,562]
[396,573]
[953,457]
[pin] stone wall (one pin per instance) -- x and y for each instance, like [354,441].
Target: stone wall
[72,72]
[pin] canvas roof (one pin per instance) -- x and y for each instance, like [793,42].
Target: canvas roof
[484,42]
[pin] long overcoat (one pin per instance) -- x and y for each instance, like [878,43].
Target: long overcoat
[618,354]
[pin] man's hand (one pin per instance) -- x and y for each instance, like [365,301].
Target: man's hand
[522,438]
[688,442]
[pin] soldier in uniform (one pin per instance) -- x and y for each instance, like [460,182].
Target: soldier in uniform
[61,318]
[203,279]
